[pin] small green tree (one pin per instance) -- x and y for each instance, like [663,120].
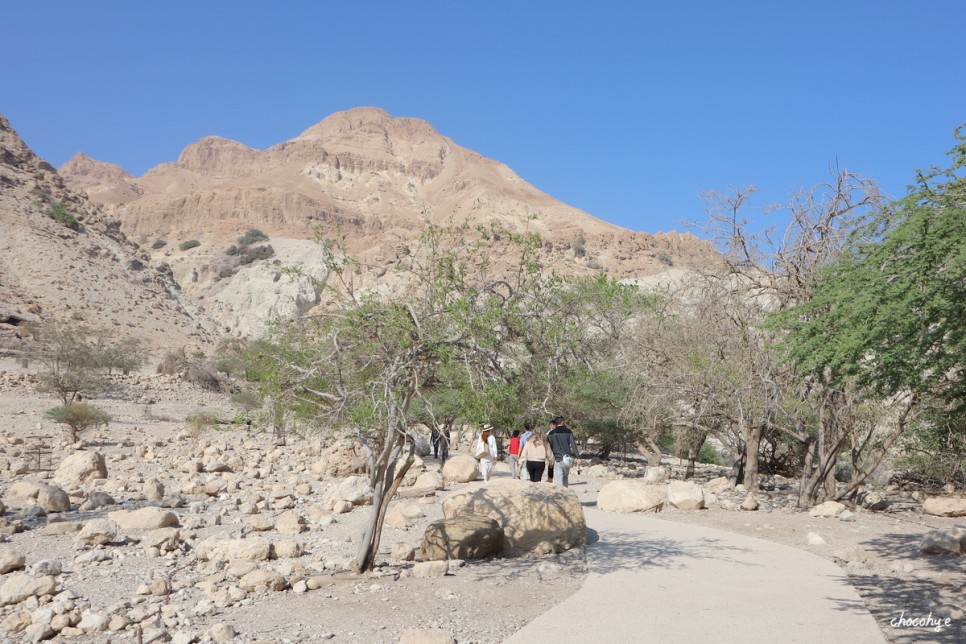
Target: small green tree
[78,417]
[188,245]
[58,212]
[71,359]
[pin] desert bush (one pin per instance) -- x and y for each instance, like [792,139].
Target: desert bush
[665,259]
[251,236]
[580,246]
[158,243]
[188,245]
[78,417]
[255,253]
[59,213]
[231,250]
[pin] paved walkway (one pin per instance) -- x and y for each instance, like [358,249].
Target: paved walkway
[652,580]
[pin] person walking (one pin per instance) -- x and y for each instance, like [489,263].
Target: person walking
[534,456]
[563,446]
[550,461]
[486,451]
[527,433]
[513,454]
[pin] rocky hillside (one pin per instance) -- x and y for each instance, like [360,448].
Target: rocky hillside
[61,257]
[360,174]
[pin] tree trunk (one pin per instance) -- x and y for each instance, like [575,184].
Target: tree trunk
[752,445]
[385,481]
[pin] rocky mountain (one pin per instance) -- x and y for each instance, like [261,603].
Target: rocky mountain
[360,174]
[62,257]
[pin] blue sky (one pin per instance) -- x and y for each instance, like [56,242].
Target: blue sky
[628,110]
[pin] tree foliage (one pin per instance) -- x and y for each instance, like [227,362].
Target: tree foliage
[475,329]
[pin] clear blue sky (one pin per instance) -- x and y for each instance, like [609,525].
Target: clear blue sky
[627,110]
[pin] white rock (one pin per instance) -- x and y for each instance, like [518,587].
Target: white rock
[81,467]
[17,588]
[814,539]
[631,495]
[685,495]
[11,560]
[827,509]
[945,507]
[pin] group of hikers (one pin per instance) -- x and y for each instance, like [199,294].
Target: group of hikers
[530,453]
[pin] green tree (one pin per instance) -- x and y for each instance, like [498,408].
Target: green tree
[471,315]
[889,316]
[78,417]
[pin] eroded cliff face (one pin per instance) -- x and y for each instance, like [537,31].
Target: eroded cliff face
[359,175]
[88,273]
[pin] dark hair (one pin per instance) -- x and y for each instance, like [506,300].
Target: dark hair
[528,426]
[516,432]
[557,420]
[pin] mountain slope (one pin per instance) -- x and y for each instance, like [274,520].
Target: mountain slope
[88,274]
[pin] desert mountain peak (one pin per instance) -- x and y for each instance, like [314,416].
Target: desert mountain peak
[363,175]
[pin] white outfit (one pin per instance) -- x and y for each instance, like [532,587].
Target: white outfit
[489,457]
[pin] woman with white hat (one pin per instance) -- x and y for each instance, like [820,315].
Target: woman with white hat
[486,451]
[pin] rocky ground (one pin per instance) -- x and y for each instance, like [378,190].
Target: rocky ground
[178,571]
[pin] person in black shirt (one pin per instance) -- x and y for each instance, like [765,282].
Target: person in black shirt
[562,443]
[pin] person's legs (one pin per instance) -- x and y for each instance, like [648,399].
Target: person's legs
[514,465]
[550,472]
[561,474]
[485,466]
[535,468]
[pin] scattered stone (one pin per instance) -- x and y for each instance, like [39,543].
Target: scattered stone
[657,474]
[750,504]
[81,467]
[945,507]
[431,569]
[290,522]
[267,578]
[17,588]
[11,560]
[427,636]
[685,495]
[96,501]
[461,468]
[814,539]
[938,542]
[719,485]
[631,495]
[148,518]
[53,499]
[402,551]
[828,509]
[462,537]
[98,532]
[221,633]
[404,516]
[153,490]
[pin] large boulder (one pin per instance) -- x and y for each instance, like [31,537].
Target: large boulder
[81,467]
[462,537]
[685,495]
[149,518]
[344,458]
[945,506]
[461,468]
[53,499]
[631,495]
[535,518]
[656,474]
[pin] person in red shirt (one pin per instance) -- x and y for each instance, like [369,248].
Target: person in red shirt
[514,454]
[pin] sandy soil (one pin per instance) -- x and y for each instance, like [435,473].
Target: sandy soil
[477,602]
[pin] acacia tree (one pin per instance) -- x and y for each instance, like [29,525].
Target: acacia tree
[717,373]
[889,317]
[462,316]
